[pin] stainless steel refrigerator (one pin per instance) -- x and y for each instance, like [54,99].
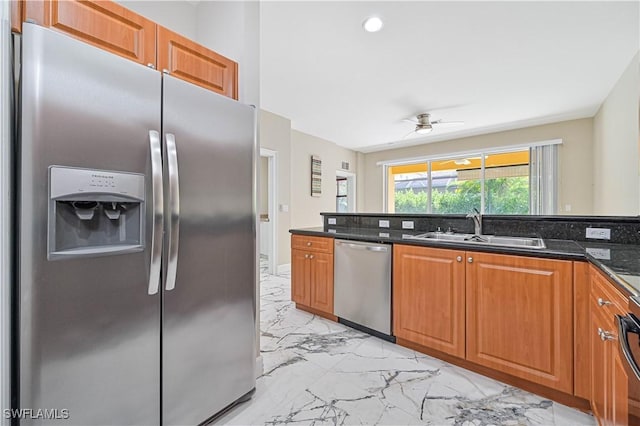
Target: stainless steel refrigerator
[135,292]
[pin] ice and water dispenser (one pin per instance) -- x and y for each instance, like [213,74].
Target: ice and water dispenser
[94,212]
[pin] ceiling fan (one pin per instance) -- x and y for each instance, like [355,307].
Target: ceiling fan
[424,124]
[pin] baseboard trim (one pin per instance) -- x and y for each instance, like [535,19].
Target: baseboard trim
[283,269]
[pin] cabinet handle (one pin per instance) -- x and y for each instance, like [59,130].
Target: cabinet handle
[605,335]
[602,302]
[459,258]
[309,244]
[470,259]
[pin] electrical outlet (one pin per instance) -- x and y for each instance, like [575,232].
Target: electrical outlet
[383,223]
[331,221]
[407,224]
[598,253]
[599,233]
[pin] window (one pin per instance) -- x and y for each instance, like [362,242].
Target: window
[519,181]
[342,205]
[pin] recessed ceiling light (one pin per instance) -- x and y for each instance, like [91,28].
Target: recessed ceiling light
[372,24]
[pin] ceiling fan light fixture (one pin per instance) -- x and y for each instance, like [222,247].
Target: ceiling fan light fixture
[423,130]
[372,24]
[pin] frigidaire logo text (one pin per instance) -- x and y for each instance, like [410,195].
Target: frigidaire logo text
[36,413]
[102,176]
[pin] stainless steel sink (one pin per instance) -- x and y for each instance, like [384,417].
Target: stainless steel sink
[493,240]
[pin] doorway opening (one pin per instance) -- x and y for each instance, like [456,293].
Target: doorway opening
[267,235]
[345,192]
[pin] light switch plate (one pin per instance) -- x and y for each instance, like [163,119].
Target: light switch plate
[407,224]
[331,221]
[599,233]
[383,223]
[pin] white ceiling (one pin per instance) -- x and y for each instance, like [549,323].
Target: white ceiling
[493,65]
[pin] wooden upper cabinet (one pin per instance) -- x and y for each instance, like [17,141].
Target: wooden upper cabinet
[429,297]
[16,15]
[520,317]
[104,24]
[194,63]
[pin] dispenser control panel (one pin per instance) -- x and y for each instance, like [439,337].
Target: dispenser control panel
[71,182]
[94,212]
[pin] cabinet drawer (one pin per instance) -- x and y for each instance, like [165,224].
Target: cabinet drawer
[605,296]
[308,243]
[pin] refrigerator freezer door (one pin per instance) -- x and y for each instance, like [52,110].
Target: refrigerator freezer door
[209,315]
[89,333]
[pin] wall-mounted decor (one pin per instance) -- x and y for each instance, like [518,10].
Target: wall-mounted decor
[316,176]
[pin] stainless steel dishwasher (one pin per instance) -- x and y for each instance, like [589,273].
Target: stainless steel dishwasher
[362,286]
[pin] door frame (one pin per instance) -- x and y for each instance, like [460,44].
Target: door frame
[351,188]
[272,159]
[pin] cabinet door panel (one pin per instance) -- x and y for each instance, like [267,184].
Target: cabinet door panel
[16,15]
[582,321]
[104,24]
[520,317]
[300,278]
[322,282]
[599,361]
[428,297]
[619,387]
[196,64]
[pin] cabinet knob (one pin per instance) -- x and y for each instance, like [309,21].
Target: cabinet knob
[459,258]
[150,65]
[306,256]
[470,259]
[310,256]
[309,244]
[602,302]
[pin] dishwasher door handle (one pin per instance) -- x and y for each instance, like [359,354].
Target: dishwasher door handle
[364,247]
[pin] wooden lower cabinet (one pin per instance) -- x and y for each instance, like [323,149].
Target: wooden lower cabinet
[609,381]
[312,276]
[520,317]
[428,297]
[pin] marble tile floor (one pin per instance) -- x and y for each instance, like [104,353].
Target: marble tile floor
[319,372]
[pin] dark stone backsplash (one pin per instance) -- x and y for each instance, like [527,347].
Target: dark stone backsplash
[624,230]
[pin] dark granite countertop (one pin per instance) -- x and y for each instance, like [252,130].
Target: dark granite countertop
[621,262]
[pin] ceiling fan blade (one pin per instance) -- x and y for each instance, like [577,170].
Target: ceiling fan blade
[446,123]
[409,134]
[409,120]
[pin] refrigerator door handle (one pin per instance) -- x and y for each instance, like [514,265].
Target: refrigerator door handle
[157,205]
[173,225]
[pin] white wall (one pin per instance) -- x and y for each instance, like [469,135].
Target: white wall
[575,184]
[616,157]
[305,209]
[275,134]
[232,28]
[263,185]
[178,16]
